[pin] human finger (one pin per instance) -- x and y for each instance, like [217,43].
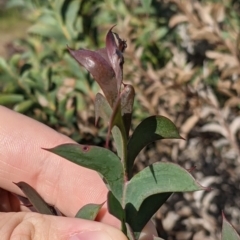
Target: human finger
[28,225]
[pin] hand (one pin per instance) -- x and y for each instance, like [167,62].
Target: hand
[60,182]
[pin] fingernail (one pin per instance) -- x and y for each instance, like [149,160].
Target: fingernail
[96,235]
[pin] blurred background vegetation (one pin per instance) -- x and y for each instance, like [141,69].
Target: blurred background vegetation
[183,58]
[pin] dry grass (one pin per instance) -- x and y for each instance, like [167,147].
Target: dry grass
[199,90]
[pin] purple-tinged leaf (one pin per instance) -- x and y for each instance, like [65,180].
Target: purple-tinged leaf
[36,200]
[115,56]
[103,53]
[105,65]
[9,201]
[24,201]
[122,44]
[101,71]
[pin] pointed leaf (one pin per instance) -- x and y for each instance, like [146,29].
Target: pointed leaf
[6,99]
[114,207]
[23,106]
[111,47]
[71,16]
[119,134]
[146,4]
[96,158]
[121,117]
[89,211]
[103,110]
[58,5]
[115,56]
[228,231]
[104,54]
[119,141]
[101,71]
[36,200]
[138,219]
[160,177]
[122,44]
[47,30]
[149,130]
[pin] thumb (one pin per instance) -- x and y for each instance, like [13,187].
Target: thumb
[28,225]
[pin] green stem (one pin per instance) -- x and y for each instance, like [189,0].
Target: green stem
[117,120]
[124,151]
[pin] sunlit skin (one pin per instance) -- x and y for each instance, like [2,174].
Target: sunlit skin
[60,182]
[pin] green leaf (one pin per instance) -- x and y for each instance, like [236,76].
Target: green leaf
[3,64]
[228,231]
[146,4]
[15,3]
[58,6]
[36,200]
[149,130]
[153,186]
[160,177]
[103,110]
[89,211]
[120,117]
[71,15]
[138,219]
[120,133]
[161,32]
[114,207]
[6,99]
[96,158]
[23,106]
[118,139]
[47,30]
